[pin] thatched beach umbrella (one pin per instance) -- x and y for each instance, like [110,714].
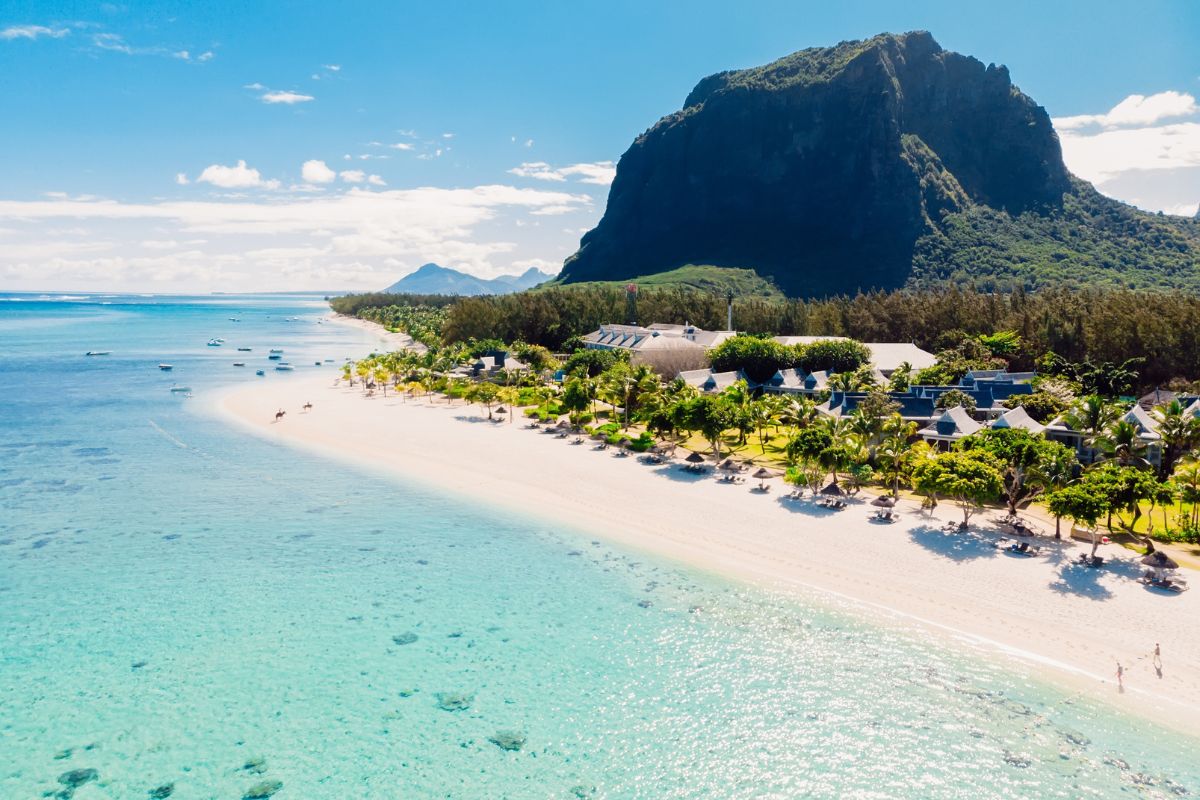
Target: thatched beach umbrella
[695,458]
[884,501]
[501,410]
[562,423]
[1159,560]
[833,489]
[762,474]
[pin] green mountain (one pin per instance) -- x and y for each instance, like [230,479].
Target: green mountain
[883,163]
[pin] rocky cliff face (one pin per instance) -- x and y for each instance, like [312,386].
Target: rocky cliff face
[825,168]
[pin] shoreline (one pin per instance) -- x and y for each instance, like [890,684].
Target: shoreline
[1067,624]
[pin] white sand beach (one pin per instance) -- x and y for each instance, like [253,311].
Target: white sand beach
[1063,622]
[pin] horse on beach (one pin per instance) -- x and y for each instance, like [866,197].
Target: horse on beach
[279,414]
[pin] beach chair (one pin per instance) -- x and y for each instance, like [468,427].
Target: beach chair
[1088,560]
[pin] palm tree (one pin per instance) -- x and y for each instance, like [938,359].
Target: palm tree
[1179,432]
[800,412]
[1056,473]
[1187,478]
[1091,417]
[510,396]
[1122,444]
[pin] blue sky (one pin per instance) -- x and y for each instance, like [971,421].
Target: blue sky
[164,146]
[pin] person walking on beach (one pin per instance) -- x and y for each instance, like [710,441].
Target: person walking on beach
[1120,677]
[1157,660]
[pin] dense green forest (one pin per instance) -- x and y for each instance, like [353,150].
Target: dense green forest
[1092,241]
[1097,325]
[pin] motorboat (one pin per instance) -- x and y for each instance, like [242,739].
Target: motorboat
[284,367]
[181,389]
[239,363]
[259,372]
[213,343]
[275,356]
[97,352]
[166,367]
[275,350]
[243,349]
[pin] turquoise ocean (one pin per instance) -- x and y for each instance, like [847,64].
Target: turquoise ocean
[187,611]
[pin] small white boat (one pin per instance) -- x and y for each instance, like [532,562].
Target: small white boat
[234,319]
[213,343]
[97,352]
[259,372]
[166,367]
[275,350]
[181,389]
[284,367]
[239,363]
[243,349]
[275,356]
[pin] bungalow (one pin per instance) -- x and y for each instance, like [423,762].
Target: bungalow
[1018,419]
[667,349]
[712,382]
[954,424]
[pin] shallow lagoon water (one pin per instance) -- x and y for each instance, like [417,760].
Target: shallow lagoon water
[185,606]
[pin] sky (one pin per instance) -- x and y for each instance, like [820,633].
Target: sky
[241,146]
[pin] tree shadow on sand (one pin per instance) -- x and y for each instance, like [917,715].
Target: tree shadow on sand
[957,546]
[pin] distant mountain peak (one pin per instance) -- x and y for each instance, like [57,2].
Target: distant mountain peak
[435,279]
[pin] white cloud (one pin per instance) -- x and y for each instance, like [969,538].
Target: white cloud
[316,171]
[256,86]
[529,142]
[447,135]
[356,239]
[600,173]
[539,170]
[1136,110]
[1143,151]
[353,175]
[1102,156]
[286,98]
[375,180]
[238,176]
[207,55]
[333,67]
[1184,210]
[111,41]
[32,32]
[181,178]
[183,55]
[401,146]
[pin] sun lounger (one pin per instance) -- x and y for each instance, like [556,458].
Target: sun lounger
[1176,585]
[1088,560]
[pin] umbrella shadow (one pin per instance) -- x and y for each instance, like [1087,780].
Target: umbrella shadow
[962,546]
[675,473]
[472,418]
[805,507]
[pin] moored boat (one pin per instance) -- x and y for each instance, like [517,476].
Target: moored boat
[284,367]
[244,349]
[97,352]
[166,367]
[260,372]
[239,363]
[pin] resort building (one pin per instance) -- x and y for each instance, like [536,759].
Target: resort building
[667,349]
[954,424]
[887,357]
[1018,419]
